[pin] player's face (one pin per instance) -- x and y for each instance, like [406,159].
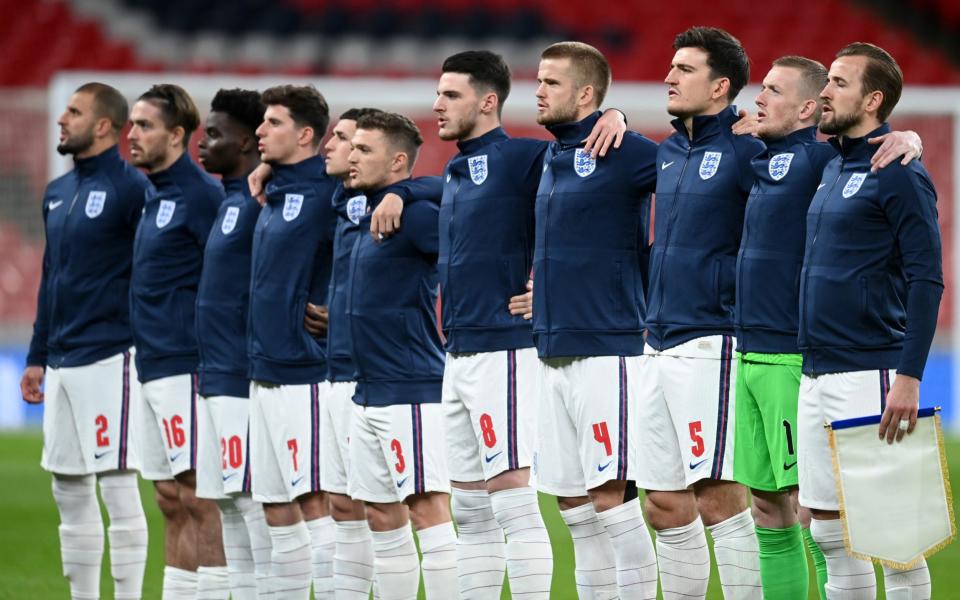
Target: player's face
[457,106]
[76,125]
[221,146]
[338,149]
[149,137]
[689,83]
[780,102]
[278,135]
[843,97]
[557,92]
[370,159]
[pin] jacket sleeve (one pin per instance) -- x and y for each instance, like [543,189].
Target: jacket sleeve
[203,213]
[910,204]
[421,225]
[527,159]
[424,188]
[37,355]
[642,163]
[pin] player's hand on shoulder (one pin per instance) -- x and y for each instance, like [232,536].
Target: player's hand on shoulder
[257,182]
[894,145]
[747,124]
[30,384]
[385,220]
[903,402]
[316,320]
[522,304]
[609,130]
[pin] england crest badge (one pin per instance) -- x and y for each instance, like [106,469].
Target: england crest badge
[165,213]
[710,164]
[478,168]
[780,165]
[230,219]
[292,203]
[583,163]
[356,208]
[95,203]
[853,184]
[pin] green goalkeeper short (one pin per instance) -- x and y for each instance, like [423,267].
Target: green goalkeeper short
[765,449]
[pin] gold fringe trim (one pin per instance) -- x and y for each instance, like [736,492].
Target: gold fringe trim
[945,475]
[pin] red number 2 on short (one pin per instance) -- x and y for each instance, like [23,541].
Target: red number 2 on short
[102,438]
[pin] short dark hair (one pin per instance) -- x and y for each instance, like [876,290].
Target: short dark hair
[813,76]
[352,114]
[398,129]
[882,74]
[590,66]
[177,108]
[243,106]
[725,55]
[307,106]
[487,72]
[108,103]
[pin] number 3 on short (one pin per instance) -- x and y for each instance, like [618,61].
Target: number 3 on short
[602,435]
[401,464]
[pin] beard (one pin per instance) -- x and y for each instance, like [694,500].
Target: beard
[840,123]
[560,114]
[460,129]
[75,144]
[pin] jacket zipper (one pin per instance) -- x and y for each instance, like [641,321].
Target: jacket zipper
[671,218]
[447,299]
[62,266]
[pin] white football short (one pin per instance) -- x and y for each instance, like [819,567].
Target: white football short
[168,426]
[583,437]
[685,414]
[397,451]
[336,413]
[86,417]
[490,412]
[223,446]
[823,399]
[285,440]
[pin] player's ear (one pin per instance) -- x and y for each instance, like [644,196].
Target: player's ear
[306,136]
[399,163]
[872,101]
[489,103]
[721,88]
[586,95]
[808,109]
[177,136]
[102,128]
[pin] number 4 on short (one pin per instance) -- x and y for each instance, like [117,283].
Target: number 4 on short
[602,435]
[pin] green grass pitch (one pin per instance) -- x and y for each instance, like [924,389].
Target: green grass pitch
[30,558]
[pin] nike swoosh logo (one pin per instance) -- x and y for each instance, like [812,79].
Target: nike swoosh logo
[402,481]
[296,481]
[54,205]
[663,166]
[821,185]
[491,458]
[787,467]
[99,455]
[601,468]
[226,477]
[694,465]
[174,457]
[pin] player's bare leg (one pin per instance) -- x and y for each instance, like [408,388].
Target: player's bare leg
[353,557]
[430,516]
[681,543]
[316,512]
[724,508]
[205,529]
[290,574]
[180,572]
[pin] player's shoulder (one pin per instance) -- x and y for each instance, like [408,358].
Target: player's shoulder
[745,146]
[59,184]
[520,145]
[637,142]
[896,177]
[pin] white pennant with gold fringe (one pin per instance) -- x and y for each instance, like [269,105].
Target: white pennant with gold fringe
[895,500]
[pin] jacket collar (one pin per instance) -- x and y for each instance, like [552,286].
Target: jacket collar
[304,170]
[708,126]
[180,168]
[807,134]
[572,134]
[92,164]
[472,145]
[858,147]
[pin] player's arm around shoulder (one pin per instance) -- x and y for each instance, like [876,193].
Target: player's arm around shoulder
[385,220]
[640,161]
[421,228]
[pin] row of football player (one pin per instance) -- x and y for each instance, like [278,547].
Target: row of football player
[373,417]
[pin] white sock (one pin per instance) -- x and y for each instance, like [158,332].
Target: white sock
[236,549]
[179,584]
[353,560]
[127,533]
[633,548]
[260,544]
[290,577]
[596,565]
[395,564]
[529,554]
[848,578]
[911,584]
[81,534]
[322,547]
[738,556]
[438,544]
[213,583]
[480,545]
[684,561]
